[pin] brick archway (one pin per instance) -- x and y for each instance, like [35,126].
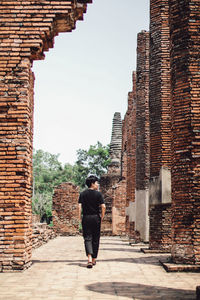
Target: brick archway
[27,31]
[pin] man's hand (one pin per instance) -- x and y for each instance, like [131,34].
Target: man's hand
[103,210]
[79,211]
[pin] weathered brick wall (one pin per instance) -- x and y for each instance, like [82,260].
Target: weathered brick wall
[160,109]
[107,182]
[42,233]
[160,90]
[130,124]
[65,209]
[142,112]
[27,30]
[128,158]
[160,227]
[119,208]
[113,175]
[185,62]
[142,136]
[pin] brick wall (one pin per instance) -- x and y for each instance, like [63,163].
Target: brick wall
[128,158]
[142,112]
[160,227]
[119,208]
[65,209]
[185,45]
[107,182]
[27,30]
[160,111]
[160,90]
[142,136]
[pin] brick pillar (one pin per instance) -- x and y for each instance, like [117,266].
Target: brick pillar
[16,116]
[128,159]
[160,106]
[160,227]
[142,136]
[185,61]
[28,29]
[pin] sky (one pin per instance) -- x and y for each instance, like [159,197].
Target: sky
[86,78]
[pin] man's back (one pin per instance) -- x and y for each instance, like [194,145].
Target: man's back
[91,201]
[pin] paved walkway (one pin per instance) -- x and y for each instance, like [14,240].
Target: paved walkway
[123,272]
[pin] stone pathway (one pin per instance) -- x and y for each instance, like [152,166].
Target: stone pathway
[123,272]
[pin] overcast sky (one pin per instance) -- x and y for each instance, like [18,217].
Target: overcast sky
[86,77]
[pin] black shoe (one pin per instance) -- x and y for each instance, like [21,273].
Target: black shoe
[89,265]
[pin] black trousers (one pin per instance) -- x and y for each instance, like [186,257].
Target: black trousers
[91,225]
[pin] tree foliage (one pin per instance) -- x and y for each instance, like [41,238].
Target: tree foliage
[95,161]
[48,173]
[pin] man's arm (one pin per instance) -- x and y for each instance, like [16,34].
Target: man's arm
[103,210]
[79,211]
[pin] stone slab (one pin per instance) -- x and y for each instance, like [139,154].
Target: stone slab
[171,267]
[156,251]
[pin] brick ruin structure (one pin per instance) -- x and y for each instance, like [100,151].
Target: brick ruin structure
[160,158]
[27,30]
[108,181]
[128,159]
[142,153]
[160,127]
[65,209]
[160,140]
[185,95]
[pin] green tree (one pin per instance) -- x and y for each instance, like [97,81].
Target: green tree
[47,173]
[93,161]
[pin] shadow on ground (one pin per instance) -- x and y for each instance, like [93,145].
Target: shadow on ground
[150,260]
[140,291]
[121,249]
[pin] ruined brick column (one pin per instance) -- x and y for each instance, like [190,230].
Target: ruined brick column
[65,209]
[27,30]
[142,136]
[185,62]
[128,158]
[113,175]
[160,114]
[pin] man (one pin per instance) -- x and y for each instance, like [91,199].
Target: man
[90,201]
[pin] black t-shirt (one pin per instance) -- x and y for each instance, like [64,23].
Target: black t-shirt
[91,201]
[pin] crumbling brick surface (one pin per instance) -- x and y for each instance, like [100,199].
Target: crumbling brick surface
[128,154]
[27,30]
[142,112]
[107,182]
[185,60]
[65,209]
[42,233]
[160,227]
[159,113]
[160,90]
[119,208]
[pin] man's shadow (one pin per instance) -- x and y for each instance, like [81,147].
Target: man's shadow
[141,291]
